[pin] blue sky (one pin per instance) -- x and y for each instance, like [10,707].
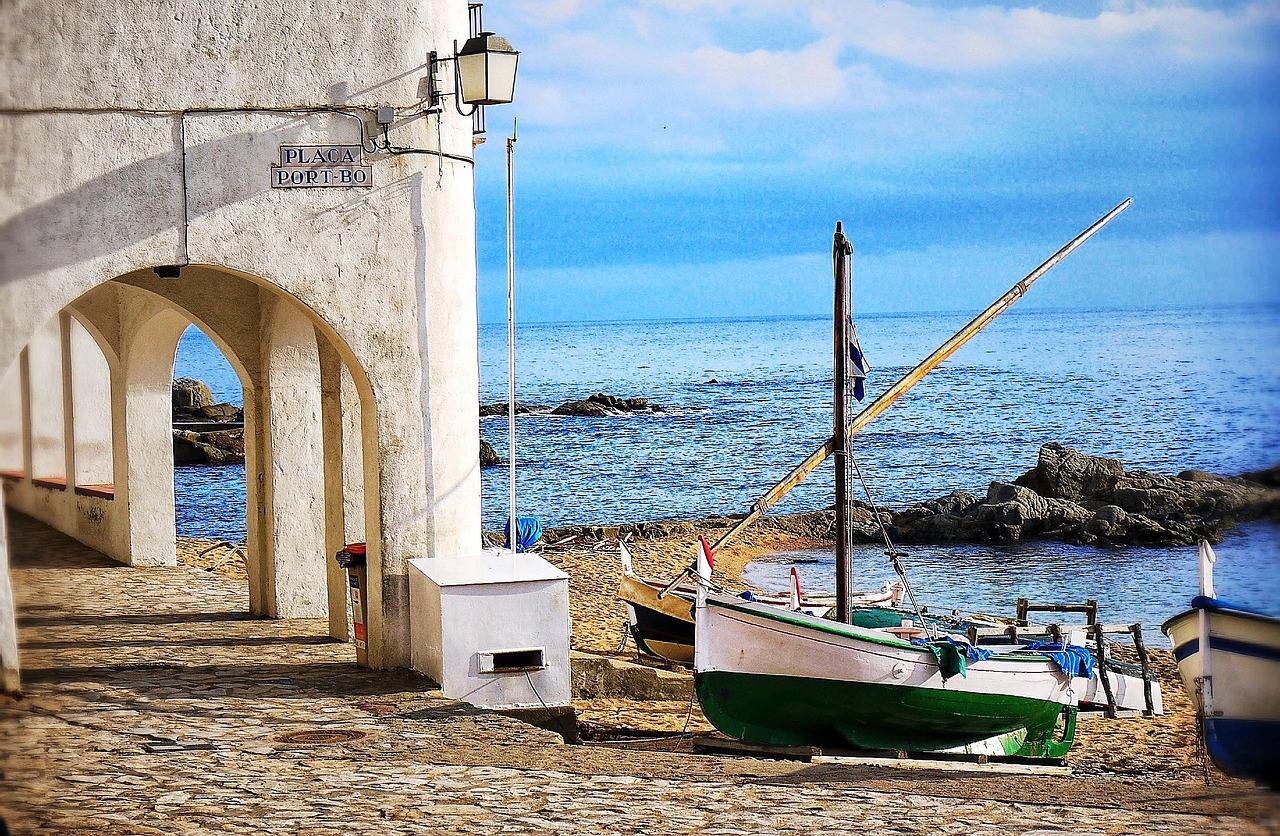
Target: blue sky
[689,158]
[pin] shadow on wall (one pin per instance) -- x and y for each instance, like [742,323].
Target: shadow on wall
[139,201]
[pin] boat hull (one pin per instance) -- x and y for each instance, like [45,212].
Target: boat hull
[780,678]
[663,626]
[1242,729]
[785,710]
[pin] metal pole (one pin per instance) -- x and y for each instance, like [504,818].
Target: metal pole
[513,536]
[788,482]
[839,252]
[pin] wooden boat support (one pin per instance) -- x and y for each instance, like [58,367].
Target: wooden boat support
[1023,629]
[886,400]
[1089,608]
[937,761]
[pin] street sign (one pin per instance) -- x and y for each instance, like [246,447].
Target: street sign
[321,166]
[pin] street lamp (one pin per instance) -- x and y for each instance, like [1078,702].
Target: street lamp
[485,72]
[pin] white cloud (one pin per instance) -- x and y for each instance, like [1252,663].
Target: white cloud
[761,79]
[681,76]
[986,38]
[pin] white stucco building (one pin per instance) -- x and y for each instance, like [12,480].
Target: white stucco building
[137,135]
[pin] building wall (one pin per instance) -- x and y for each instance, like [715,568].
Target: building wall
[136,134]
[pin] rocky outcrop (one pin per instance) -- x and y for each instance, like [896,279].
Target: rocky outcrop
[491,409]
[488,456]
[191,394]
[220,412]
[1064,473]
[601,405]
[598,405]
[205,432]
[1269,477]
[219,447]
[1076,498]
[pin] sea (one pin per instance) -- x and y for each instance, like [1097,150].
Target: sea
[745,400]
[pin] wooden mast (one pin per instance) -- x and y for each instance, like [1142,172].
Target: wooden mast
[782,488]
[840,252]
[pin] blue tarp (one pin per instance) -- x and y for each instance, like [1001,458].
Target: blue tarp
[1073,659]
[528,532]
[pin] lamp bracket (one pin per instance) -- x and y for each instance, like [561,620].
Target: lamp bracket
[435,86]
[436,92]
[457,86]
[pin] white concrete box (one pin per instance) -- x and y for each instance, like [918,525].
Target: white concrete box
[492,628]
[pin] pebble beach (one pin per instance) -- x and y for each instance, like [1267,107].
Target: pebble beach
[154,704]
[1150,748]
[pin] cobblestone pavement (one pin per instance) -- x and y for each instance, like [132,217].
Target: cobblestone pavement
[155,705]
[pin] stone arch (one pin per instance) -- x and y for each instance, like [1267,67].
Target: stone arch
[58,397]
[281,351]
[104,345]
[390,268]
[300,511]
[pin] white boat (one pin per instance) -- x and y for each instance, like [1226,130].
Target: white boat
[770,676]
[1229,659]
[660,614]
[766,675]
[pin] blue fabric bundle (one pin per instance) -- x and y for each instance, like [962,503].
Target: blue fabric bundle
[1073,659]
[528,532]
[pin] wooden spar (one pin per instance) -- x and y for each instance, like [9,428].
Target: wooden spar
[840,258]
[882,403]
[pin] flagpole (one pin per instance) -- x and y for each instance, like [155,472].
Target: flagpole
[839,255]
[513,535]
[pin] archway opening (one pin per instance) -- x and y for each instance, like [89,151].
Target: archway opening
[209,456]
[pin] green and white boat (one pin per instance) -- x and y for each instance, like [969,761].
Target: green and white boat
[771,676]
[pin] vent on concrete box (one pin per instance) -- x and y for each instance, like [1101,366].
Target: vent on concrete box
[507,661]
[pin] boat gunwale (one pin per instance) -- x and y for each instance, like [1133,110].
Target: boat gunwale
[862,633]
[1245,615]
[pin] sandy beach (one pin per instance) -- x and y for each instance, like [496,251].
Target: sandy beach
[1155,748]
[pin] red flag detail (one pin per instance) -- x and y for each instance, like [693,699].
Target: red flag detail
[706,551]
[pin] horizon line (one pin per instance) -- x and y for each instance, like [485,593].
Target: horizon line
[1033,310]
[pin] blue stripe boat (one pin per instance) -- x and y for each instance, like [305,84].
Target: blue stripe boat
[1229,659]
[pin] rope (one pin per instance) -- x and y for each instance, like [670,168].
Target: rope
[565,733]
[683,736]
[892,553]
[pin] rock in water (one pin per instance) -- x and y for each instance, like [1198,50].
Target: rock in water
[223,447]
[492,409]
[191,394]
[956,503]
[221,412]
[601,405]
[584,409]
[488,456]
[1269,477]
[1064,473]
